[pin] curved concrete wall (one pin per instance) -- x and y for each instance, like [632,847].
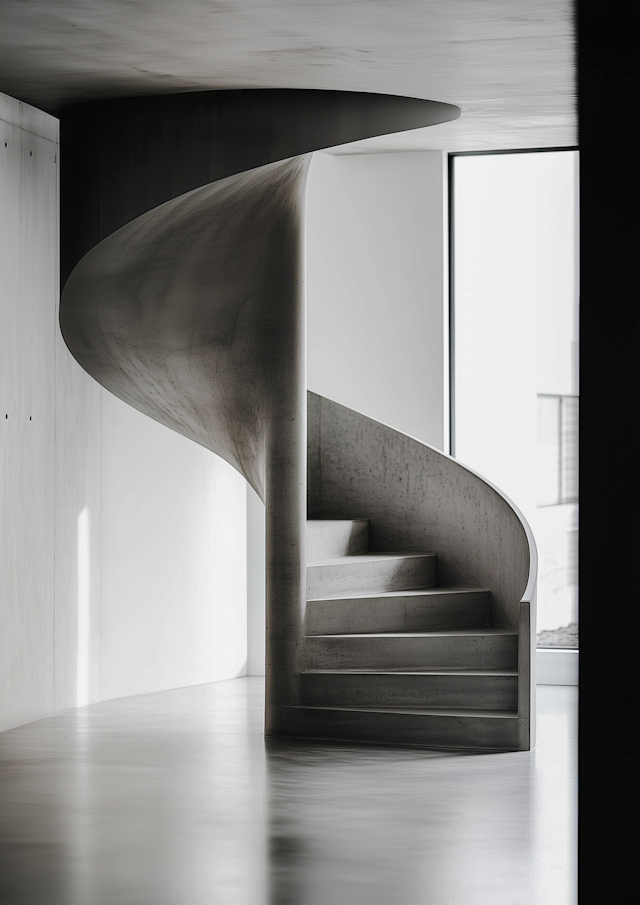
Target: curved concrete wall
[418,499]
[193,315]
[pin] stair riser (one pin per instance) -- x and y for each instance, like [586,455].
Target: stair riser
[465,692]
[414,730]
[326,541]
[401,653]
[376,575]
[397,614]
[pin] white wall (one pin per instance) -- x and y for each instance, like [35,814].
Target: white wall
[256,583]
[174,558]
[29,251]
[377,317]
[123,547]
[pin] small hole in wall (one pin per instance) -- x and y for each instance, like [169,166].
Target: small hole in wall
[30,153]
[29,417]
[6,416]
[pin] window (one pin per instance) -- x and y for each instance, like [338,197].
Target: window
[515,349]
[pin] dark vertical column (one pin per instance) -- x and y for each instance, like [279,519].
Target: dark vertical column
[609,759]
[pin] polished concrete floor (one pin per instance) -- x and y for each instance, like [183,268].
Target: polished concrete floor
[174,799]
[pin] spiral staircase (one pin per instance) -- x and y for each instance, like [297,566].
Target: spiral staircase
[400,584]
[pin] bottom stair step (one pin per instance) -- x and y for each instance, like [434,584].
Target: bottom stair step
[485,690]
[409,727]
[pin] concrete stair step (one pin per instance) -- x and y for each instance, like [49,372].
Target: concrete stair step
[413,727]
[408,610]
[449,689]
[478,648]
[330,538]
[370,572]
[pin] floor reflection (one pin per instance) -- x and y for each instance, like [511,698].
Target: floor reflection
[176,799]
[382,826]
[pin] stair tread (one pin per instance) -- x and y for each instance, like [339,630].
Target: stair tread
[420,711]
[477,630]
[413,672]
[408,592]
[369,557]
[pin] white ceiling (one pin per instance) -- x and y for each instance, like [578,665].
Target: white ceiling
[509,64]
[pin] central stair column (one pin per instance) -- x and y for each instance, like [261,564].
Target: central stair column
[286,452]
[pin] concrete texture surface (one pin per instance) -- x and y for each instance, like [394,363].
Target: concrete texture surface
[417,498]
[174,797]
[510,66]
[407,610]
[328,539]
[370,572]
[488,648]
[454,690]
[480,731]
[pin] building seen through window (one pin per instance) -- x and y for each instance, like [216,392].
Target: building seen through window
[557,450]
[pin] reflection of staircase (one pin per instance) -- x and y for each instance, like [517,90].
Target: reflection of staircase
[392,657]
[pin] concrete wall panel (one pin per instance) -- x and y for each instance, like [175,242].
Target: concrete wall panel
[28,286]
[161,600]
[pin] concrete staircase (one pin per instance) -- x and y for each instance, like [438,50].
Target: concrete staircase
[193,312]
[390,657]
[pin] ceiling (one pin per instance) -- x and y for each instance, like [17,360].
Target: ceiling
[508,64]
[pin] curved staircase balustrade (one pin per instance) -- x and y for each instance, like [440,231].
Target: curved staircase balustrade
[193,312]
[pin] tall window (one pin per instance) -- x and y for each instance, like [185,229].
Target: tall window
[515,353]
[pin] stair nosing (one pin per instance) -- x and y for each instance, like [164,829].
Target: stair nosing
[463,671]
[410,711]
[468,632]
[402,592]
[315,522]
